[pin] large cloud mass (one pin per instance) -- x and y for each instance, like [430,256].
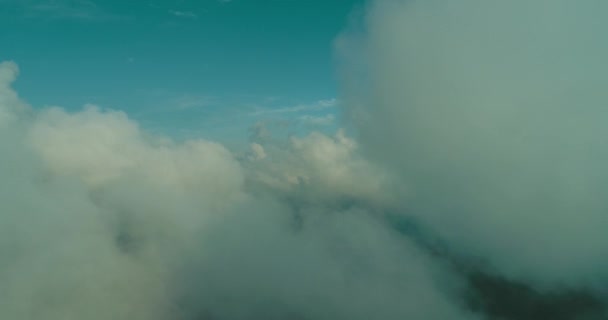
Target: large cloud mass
[99,220]
[494,114]
[474,188]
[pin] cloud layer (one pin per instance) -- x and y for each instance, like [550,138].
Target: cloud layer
[473,189]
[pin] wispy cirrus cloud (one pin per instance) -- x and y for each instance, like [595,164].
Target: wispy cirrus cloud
[85,10]
[162,101]
[315,106]
[183,14]
[189,101]
[325,120]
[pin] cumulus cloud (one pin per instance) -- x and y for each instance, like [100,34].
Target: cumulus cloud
[328,166]
[257,151]
[493,114]
[10,104]
[471,188]
[101,220]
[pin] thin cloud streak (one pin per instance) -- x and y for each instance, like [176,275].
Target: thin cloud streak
[183,14]
[318,105]
[83,10]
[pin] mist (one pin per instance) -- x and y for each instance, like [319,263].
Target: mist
[493,115]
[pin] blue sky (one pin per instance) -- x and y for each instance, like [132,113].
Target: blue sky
[185,68]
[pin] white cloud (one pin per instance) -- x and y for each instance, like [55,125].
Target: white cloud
[183,14]
[10,104]
[493,113]
[101,220]
[318,120]
[257,151]
[84,10]
[479,140]
[321,167]
[317,105]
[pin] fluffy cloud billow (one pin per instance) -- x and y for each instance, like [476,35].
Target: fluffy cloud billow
[101,220]
[470,186]
[493,114]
